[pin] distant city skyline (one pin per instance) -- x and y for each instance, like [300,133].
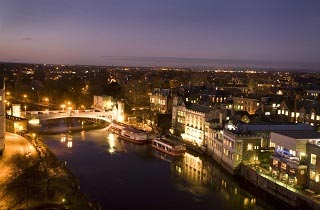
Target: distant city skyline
[249,33]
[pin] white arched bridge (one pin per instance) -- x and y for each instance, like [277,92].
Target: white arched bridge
[56,114]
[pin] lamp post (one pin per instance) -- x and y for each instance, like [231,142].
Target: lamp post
[63,106]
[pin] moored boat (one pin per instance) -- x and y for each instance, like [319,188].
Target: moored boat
[168,147]
[116,127]
[129,133]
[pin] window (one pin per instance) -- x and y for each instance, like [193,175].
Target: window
[272,144]
[237,157]
[283,166]
[312,175]
[275,163]
[249,147]
[313,159]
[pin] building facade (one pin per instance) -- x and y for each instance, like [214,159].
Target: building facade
[161,100]
[289,161]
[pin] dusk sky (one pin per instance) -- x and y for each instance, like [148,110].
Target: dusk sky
[161,32]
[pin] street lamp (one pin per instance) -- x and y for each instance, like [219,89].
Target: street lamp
[46,100]
[63,106]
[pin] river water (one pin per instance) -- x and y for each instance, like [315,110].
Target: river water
[122,175]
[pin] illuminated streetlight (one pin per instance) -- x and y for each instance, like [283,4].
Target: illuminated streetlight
[63,106]
[46,100]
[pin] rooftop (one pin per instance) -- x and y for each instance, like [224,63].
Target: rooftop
[200,108]
[300,134]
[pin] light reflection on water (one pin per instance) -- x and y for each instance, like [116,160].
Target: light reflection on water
[130,176]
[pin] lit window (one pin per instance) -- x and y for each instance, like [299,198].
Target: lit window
[313,159]
[283,166]
[249,147]
[312,175]
[237,157]
[275,163]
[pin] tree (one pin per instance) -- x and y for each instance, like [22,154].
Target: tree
[26,180]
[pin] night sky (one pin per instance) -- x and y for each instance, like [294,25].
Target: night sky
[161,32]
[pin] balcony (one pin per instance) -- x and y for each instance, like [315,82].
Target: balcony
[293,161]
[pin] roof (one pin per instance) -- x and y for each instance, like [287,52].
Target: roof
[200,108]
[276,127]
[300,134]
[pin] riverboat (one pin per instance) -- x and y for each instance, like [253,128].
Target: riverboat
[129,133]
[116,127]
[168,147]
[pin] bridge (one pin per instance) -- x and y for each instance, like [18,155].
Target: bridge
[37,116]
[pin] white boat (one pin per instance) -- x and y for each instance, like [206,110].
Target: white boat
[129,133]
[116,127]
[168,147]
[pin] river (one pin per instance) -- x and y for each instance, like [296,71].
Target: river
[122,175]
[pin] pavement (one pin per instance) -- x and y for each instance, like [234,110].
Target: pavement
[14,144]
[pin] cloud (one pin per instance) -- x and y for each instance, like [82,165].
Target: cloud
[26,39]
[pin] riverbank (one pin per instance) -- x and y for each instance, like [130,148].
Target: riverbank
[63,188]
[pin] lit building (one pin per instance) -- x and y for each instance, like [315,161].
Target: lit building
[16,110]
[303,111]
[2,115]
[313,163]
[16,124]
[251,105]
[195,118]
[102,103]
[237,147]
[118,111]
[288,163]
[178,115]
[161,100]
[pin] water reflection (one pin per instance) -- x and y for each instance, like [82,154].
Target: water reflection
[63,138]
[201,175]
[66,139]
[129,170]
[112,143]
